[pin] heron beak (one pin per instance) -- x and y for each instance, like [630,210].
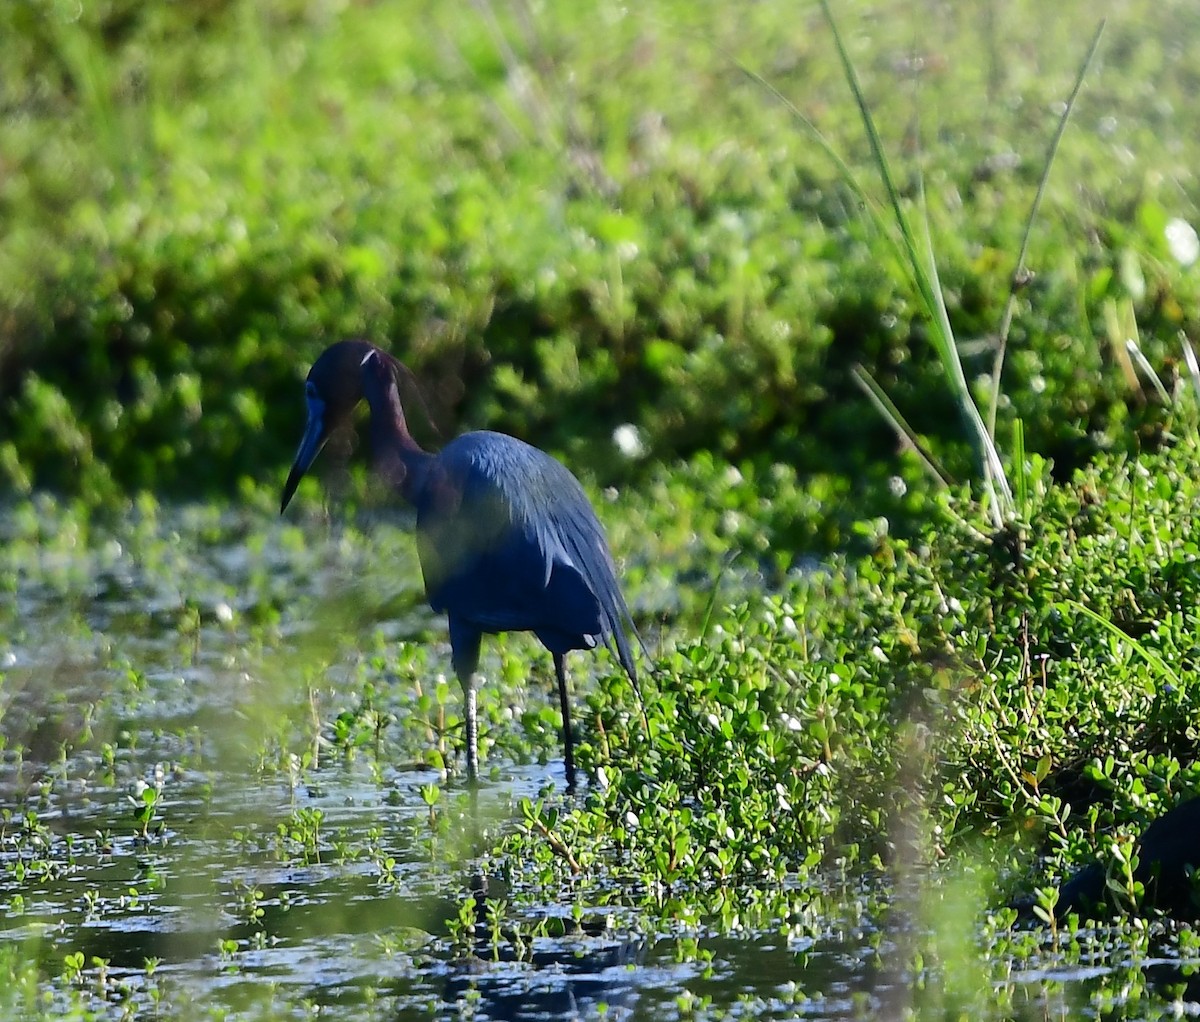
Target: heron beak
[315,435]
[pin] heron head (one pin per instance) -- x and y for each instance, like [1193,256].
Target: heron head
[333,388]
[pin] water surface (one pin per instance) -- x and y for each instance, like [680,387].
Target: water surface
[281,693]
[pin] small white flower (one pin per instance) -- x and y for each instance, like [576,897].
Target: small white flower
[628,440]
[1182,241]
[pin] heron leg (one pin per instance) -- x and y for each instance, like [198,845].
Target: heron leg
[560,670]
[464,648]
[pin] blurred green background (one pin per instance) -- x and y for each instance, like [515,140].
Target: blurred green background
[569,217]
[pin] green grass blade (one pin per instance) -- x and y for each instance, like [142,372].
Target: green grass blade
[928,286]
[866,202]
[888,410]
[1019,467]
[1018,275]
[1144,652]
[885,172]
[710,604]
[1189,356]
[1140,360]
[994,478]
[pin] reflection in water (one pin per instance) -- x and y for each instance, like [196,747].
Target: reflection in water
[565,978]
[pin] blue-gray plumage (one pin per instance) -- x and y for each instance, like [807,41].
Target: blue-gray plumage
[506,536]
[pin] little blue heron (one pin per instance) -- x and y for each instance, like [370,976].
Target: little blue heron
[505,533]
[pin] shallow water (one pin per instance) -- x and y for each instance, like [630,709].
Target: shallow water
[287,866]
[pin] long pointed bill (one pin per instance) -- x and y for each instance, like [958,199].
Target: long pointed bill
[310,446]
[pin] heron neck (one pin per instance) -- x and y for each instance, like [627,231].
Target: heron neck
[395,456]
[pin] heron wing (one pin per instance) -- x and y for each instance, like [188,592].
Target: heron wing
[509,541]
